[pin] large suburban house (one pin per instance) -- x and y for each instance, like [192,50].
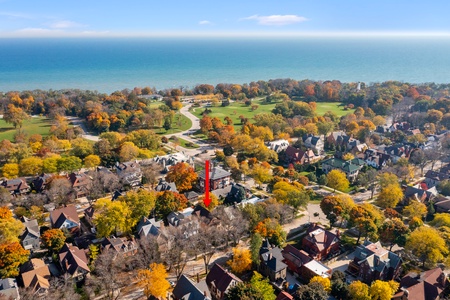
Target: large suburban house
[320,243]
[30,239]
[16,186]
[433,178]
[299,156]
[313,142]
[129,173]
[271,262]
[172,159]
[218,179]
[40,183]
[74,262]
[428,285]
[351,168]
[278,145]
[66,217]
[80,183]
[121,246]
[35,275]
[219,281]
[373,262]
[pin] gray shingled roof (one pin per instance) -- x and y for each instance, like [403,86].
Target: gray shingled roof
[215,173]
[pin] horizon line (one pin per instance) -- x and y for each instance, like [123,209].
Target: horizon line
[34,33]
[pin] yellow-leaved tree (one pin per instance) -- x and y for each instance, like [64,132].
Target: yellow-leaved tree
[358,291]
[325,282]
[383,290]
[337,180]
[154,281]
[426,244]
[390,196]
[242,260]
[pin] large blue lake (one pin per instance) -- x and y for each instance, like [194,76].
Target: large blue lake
[107,65]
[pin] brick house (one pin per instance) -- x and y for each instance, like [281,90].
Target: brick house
[295,259]
[218,179]
[320,243]
[219,281]
[373,262]
[294,155]
[16,186]
[80,183]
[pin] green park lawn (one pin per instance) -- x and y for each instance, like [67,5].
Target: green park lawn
[180,123]
[185,144]
[235,109]
[34,125]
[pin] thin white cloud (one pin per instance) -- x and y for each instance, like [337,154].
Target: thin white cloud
[276,20]
[65,24]
[14,15]
[205,22]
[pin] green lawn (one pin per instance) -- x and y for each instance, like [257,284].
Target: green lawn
[39,125]
[236,109]
[180,123]
[323,107]
[185,144]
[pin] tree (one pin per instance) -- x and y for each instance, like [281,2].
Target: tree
[60,190]
[383,290]
[359,291]
[325,282]
[368,179]
[12,255]
[141,203]
[167,202]
[15,115]
[443,187]
[30,166]
[426,245]
[263,286]
[260,174]
[337,180]
[10,228]
[69,163]
[154,281]
[50,164]
[183,175]
[144,139]
[81,148]
[385,179]
[312,291]
[393,231]
[53,239]
[367,219]
[294,195]
[92,161]
[241,260]
[390,196]
[322,180]
[415,209]
[10,170]
[271,229]
[419,159]
[205,124]
[112,217]
[442,219]
[128,151]
[255,245]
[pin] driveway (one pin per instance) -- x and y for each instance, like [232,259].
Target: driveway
[77,122]
[308,216]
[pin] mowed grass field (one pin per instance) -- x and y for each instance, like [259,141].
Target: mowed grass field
[34,125]
[235,110]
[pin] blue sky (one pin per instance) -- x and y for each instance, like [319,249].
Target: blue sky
[36,18]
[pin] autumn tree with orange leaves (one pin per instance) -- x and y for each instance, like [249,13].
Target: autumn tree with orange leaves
[12,255]
[183,175]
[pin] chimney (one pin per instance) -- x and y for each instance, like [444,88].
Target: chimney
[198,278]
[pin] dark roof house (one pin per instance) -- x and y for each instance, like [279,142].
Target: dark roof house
[16,186]
[271,262]
[80,183]
[30,237]
[186,289]
[219,281]
[73,261]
